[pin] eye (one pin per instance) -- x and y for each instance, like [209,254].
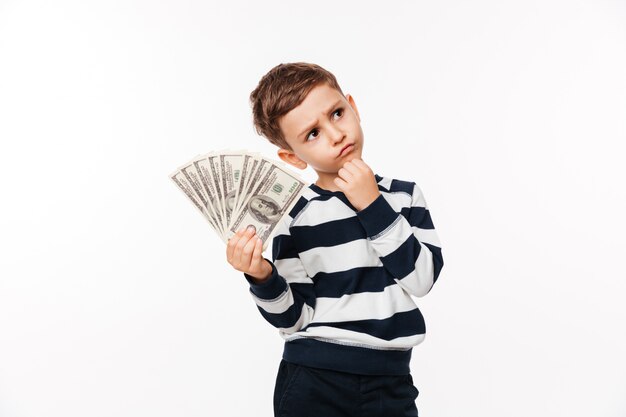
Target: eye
[314,130]
[339,110]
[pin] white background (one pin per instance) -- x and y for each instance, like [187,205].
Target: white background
[115,295]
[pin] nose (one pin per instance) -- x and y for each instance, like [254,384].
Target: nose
[335,134]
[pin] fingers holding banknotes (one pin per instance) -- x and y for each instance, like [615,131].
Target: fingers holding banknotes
[244,252]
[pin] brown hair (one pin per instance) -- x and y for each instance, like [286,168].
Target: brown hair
[282,89]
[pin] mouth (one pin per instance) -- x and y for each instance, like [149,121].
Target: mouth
[346,149]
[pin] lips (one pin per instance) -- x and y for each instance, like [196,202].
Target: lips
[346,148]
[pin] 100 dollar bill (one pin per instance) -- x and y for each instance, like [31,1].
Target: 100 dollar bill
[272,198]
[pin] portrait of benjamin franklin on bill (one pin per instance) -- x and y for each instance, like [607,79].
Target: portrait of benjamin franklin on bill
[264,209]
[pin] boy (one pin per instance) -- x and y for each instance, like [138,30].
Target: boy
[345,261]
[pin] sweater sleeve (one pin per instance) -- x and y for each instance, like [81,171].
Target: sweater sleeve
[407,245]
[286,300]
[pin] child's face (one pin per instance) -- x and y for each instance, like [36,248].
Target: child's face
[319,128]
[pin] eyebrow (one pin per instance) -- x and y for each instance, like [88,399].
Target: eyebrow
[311,125]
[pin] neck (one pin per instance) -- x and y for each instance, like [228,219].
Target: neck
[327,183]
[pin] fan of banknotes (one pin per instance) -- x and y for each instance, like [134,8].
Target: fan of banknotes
[237,188]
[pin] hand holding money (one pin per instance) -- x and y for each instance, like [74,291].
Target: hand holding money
[236,188]
[243,252]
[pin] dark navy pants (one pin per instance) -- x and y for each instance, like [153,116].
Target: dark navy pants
[302,391]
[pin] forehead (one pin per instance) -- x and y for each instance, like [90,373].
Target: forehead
[314,106]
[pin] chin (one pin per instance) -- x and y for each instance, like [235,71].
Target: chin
[354,155]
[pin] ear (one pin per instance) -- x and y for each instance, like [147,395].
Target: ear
[353,105]
[291,158]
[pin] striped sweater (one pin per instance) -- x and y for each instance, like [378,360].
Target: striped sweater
[342,280]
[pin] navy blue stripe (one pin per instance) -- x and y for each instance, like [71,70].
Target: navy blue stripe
[352,359]
[437,260]
[334,232]
[407,323]
[290,316]
[378,180]
[334,194]
[401,186]
[401,261]
[300,204]
[352,281]
[418,217]
[376,217]
[283,247]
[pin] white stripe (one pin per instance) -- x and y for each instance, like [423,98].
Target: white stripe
[308,193]
[417,200]
[282,227]
[318,212]
[357,253]
[292,270]
[363,306]
[351,337]
[393,238]
[385,182]
[399,233]
[427,236]
[397,200]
